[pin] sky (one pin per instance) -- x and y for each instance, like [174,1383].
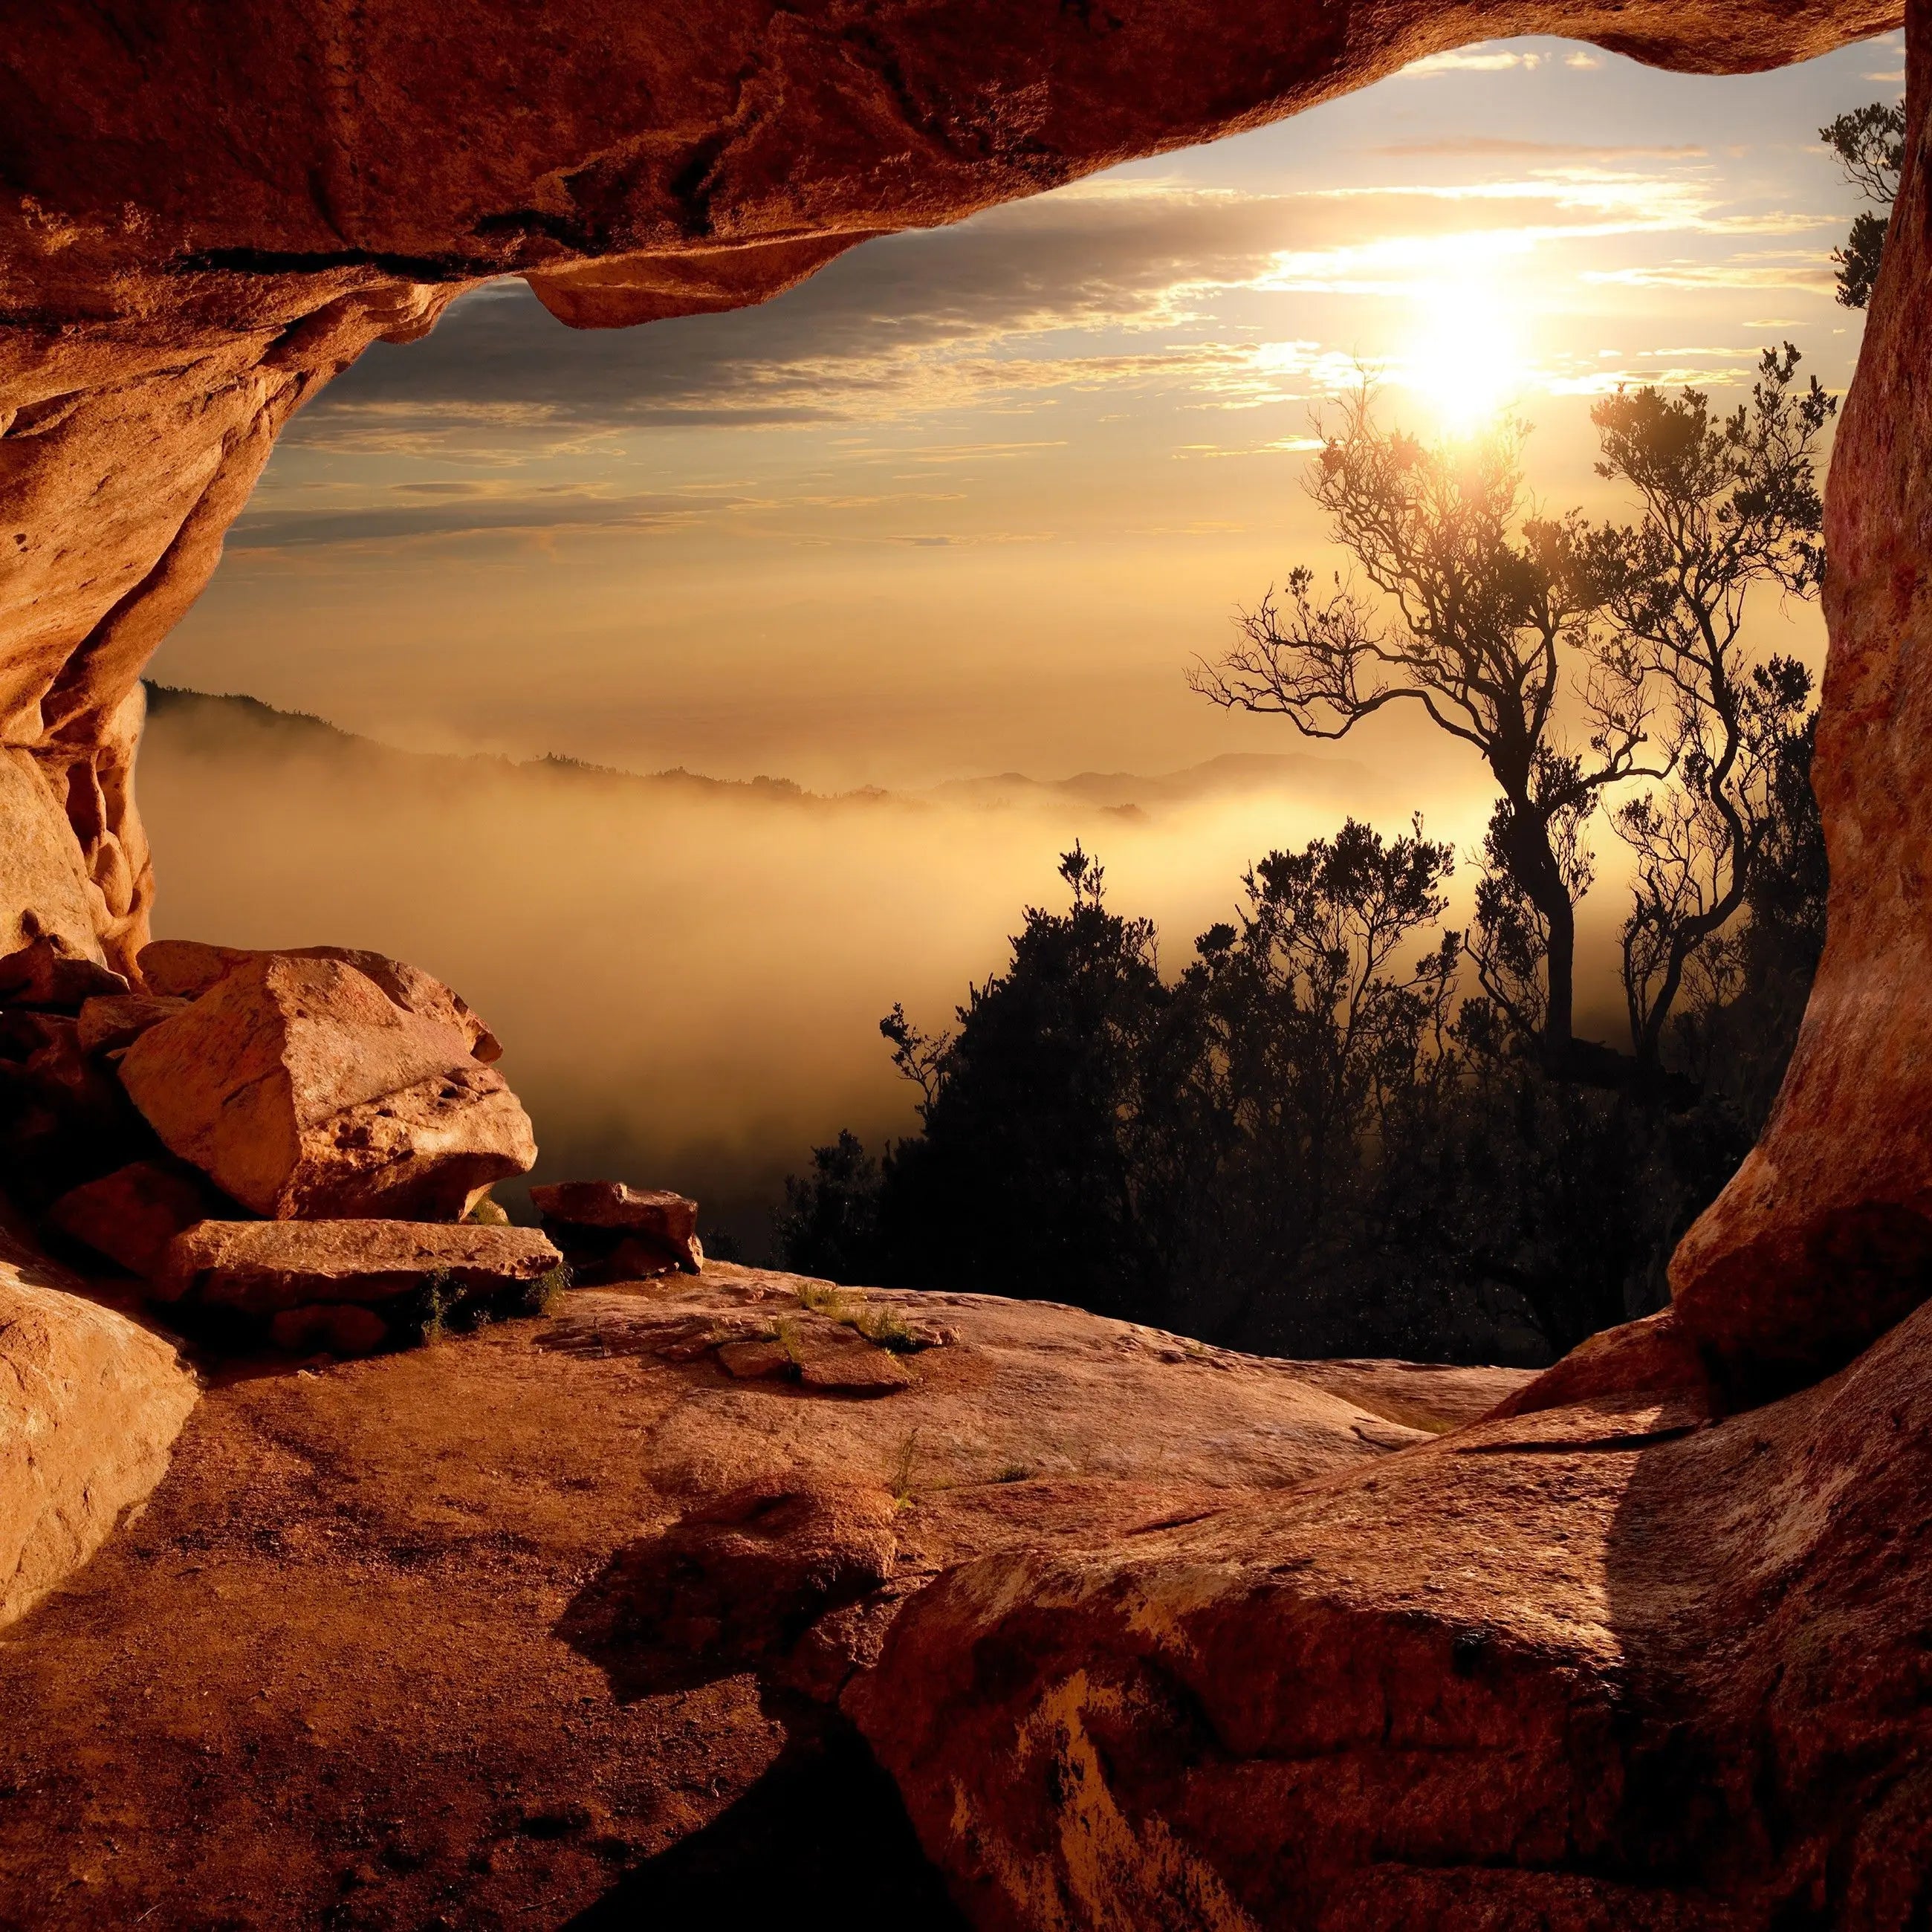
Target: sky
[971,499]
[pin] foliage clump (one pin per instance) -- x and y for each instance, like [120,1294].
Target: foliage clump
[1870,145]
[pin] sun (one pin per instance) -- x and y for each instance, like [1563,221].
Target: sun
[1465,356]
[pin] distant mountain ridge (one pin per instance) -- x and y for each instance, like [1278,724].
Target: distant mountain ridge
[245,724]
[1231,773]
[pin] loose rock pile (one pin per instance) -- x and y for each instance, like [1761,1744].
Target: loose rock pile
[282,1145]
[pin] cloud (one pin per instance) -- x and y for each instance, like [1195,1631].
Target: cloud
[1283,446]
[1582,59]
[460,511]
[1487,147]
[1471,60]
[1782,272]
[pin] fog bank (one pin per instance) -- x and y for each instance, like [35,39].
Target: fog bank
[688,975]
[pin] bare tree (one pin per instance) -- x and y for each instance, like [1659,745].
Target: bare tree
[1727,505]
[1870,144]
[1479,611]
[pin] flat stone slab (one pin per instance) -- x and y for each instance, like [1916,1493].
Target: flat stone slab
[262,1267]
[832,1357]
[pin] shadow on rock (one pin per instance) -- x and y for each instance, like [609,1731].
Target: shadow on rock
[820,1840]
[739,1584]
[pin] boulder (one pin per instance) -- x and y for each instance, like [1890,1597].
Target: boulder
[263,1267]
[133,1213]
[51,970]
[739,1580]
[188,968]
[303,1089]
[615,1232]
[91,1403]
[111,1022]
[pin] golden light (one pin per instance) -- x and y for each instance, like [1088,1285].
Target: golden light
[1465,355]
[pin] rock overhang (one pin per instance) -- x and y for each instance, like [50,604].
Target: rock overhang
[211,145]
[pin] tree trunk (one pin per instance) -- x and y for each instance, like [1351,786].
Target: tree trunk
[1559,1020]
[1533,860]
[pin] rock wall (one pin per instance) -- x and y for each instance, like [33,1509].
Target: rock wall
[1824,1238]
[209,208]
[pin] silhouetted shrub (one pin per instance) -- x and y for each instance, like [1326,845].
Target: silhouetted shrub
[1308,1143]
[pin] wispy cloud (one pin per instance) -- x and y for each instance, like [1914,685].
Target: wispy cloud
[460,511]
[1495,147]
[1471,60]
[1792,270]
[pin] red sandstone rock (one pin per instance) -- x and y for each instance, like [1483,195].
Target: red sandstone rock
[132,1214]
[90,1406]
[44,887]
[741,1578]
[119,1020]
[832,1356]
[188,968]
[1593,1667]
[614,1232]
[355,1595]
[185,969]
[262,1267]
[302,1089]
[1824,1238]
[1654,1357]
[755,1359]
[1554,1670]
[52,971]
[817,1350]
